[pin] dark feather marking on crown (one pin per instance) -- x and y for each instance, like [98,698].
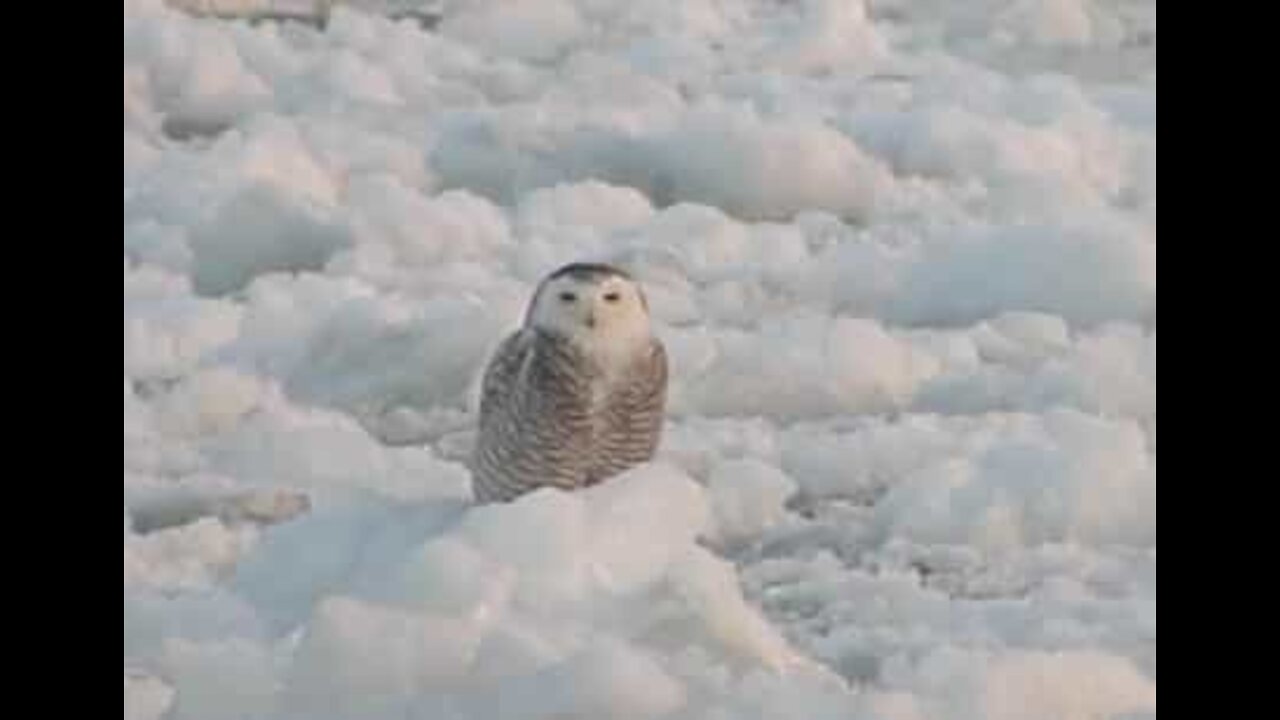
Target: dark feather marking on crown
[588,271]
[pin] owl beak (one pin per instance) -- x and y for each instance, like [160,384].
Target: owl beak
[591,320]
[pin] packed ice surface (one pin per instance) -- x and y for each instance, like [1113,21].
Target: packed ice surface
[902,253]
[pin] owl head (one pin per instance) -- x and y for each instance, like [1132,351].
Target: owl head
[593,304]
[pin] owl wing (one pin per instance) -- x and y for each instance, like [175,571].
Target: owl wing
[493,478]
[633,419]
[501,375]
[534,406]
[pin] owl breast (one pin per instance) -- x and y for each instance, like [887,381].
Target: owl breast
[553,416]
[626,414]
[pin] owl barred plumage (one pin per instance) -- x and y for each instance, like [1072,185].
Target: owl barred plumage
[576,395]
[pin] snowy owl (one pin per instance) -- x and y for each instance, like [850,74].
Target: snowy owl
[577,394]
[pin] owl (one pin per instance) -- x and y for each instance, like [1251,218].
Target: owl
[577,394]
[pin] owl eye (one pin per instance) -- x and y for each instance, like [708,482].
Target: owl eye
[568,297]
[612,297]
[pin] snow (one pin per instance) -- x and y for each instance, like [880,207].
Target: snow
[1074,478]
[902,254]
[533,30]
[1026,684]
[782,165]
[749,497]
[145,697]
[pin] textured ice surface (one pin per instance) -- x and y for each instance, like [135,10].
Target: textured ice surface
[903,254]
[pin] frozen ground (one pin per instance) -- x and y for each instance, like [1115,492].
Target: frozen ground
[903,253]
